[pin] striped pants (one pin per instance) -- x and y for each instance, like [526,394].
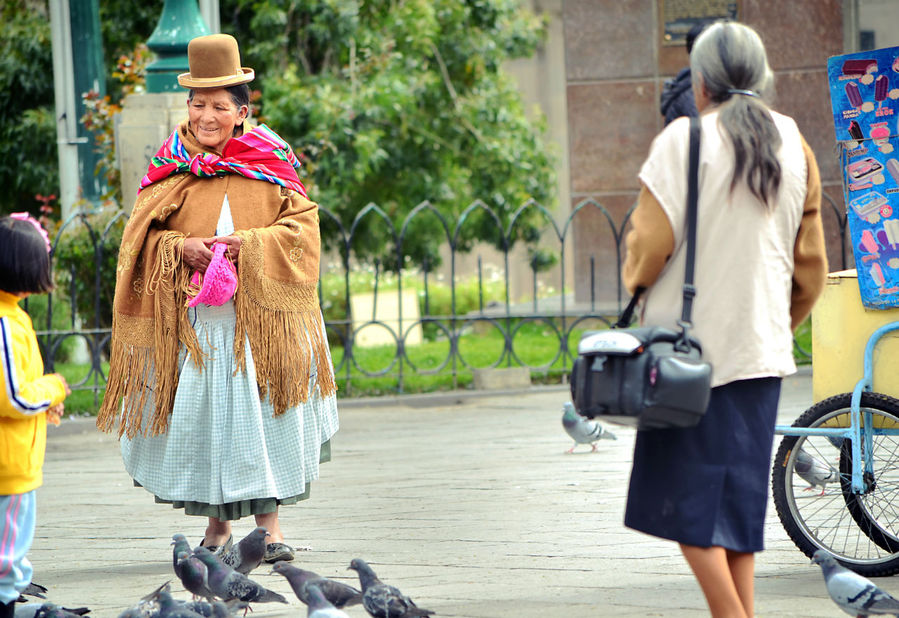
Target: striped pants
[17,515]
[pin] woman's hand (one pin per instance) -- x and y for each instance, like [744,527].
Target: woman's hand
[196,252]
[233,243]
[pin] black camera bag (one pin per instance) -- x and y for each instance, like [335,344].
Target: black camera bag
[649,377]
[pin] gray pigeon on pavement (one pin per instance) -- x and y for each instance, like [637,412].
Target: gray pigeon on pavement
[170,608]
[582,429]
[227,584]
[854,594]
[148,606]
[35,590]
[192,574]
[338,593]
[49,610]
[814,471]
[247,554]
[381,600]
[214,609]
[30,610]
[180,545]
[32,590]
[319,606]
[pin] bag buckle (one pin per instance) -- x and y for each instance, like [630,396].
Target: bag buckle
[683,341]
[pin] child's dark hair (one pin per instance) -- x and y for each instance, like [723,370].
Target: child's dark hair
[24,261]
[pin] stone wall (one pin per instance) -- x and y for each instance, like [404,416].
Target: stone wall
[615,67]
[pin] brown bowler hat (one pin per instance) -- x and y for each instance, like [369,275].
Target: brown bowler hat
[214,62]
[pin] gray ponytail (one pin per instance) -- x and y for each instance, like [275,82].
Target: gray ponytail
[731,60]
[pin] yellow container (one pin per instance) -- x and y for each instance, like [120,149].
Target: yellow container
[840,330]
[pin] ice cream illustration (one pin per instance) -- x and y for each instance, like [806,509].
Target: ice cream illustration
[855,97]
[891,227]
[877,274]
[859,66]
[863,168]
[881,89]
[880,135]
[893,169]
[869,245]
[867,205]
[855,131]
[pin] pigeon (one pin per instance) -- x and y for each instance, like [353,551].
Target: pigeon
[338,593]
[35,590]
[32,590]
[180,546]
[319,606]
[227,584]
[381,600]
[148,606]
[49,610]
[814,471]
[216,609]
[30,610]
[248,553]
[854,594]
[582,429]
[170,608]
[192,574]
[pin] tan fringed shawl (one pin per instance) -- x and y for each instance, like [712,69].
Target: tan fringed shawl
[276,302]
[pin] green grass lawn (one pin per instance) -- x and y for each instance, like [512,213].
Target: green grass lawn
[428,367]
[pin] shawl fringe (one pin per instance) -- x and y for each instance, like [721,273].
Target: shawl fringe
[137,373]
[283,342]
[284,345]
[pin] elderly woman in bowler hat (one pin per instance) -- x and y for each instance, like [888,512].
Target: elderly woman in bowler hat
[221,388]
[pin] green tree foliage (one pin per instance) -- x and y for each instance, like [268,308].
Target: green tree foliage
[399,102]
[28,159]
[387,102]
[124,25]
[29,162]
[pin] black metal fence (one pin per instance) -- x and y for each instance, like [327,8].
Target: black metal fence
[580,290]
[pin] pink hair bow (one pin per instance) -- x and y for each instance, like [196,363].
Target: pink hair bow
[24,216]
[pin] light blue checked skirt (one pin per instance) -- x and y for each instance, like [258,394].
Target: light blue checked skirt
[225,454]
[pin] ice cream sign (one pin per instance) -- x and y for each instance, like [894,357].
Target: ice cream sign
[864,93]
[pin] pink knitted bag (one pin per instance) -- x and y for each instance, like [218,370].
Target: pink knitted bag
[219,282]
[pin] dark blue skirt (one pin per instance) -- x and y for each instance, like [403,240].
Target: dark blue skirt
[708,485]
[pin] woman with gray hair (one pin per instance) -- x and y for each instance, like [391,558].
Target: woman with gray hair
[760,265]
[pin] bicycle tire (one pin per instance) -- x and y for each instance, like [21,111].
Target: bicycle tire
[860,530]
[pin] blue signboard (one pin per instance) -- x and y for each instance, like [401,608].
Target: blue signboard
[864,93]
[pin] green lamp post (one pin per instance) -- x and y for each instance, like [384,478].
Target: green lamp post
[180,22]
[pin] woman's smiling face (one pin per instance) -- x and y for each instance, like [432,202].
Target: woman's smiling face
[213,117]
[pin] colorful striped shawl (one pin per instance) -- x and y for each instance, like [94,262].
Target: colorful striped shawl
[259,153]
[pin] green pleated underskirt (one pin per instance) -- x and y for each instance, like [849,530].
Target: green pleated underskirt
[244,508]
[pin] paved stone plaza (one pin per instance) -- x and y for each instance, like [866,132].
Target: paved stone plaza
[467,502]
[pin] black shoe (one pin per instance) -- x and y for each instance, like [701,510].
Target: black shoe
[276,552]
[8,610]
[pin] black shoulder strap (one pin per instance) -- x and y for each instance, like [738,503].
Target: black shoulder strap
[692,198]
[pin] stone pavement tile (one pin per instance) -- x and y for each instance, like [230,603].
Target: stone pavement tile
[467,504]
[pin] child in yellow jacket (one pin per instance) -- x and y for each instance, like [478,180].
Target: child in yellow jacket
[28,397]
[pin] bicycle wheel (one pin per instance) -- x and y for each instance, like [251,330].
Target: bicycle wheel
[860,530]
